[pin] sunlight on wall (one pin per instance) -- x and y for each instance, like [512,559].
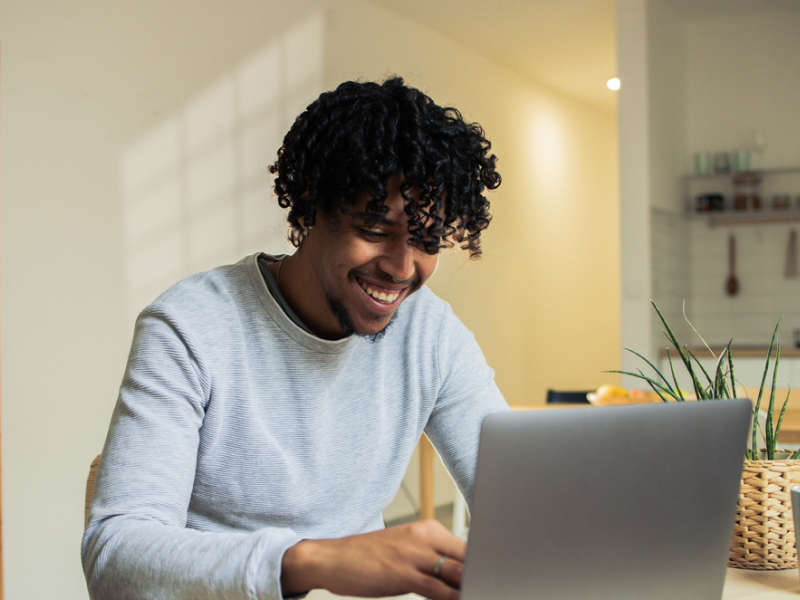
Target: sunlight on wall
[549,151]
[195,188]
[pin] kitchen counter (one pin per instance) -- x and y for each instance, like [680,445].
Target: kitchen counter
[736,351]
[748,362]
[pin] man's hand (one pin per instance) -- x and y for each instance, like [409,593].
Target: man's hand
[391,562]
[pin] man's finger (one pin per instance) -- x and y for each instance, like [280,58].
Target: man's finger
[450,572]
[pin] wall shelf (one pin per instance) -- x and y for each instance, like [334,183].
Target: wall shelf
[734,174]
[744,189]
[764,217]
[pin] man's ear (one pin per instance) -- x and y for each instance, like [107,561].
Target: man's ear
[302,222]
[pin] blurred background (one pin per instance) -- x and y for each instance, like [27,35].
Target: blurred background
[134,144]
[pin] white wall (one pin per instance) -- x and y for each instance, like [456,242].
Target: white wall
[714,84]
[135,139]
[743,91]
[635,181]
[743,79]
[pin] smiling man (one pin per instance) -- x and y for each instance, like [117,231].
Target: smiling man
[269,408]
[351,273]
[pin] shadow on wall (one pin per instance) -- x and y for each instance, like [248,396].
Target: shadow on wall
[195,188]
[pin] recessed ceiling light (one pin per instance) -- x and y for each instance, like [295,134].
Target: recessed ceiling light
[613,83]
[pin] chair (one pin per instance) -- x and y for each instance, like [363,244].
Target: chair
[555,397]
[90,488]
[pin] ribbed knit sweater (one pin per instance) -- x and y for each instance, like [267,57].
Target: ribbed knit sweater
[237,434]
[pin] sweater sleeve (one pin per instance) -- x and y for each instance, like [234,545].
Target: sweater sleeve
[467,394]
[136,544]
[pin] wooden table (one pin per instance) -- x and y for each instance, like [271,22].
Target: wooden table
[743,584]
[740,584]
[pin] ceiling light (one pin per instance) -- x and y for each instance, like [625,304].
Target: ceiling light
[613,83]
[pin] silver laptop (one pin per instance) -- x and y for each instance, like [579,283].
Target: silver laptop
[622,502]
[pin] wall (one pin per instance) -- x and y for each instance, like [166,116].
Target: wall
[635,177]
[537,295]
[743,79]
[713,84]
[743,91]
[667,88]
[135,138]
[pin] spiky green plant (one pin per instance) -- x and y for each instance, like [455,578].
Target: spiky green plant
[720,384]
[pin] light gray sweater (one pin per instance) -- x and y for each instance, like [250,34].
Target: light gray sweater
[237,434]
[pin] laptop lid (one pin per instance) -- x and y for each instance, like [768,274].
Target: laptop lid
[623,502]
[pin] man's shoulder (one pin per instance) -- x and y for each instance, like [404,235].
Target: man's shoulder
[426,308]
[221,285]
[424,299]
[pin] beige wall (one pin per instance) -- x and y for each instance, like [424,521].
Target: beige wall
[134,143]
[543,300]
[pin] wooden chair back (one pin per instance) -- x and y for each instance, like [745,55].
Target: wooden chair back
[90,488]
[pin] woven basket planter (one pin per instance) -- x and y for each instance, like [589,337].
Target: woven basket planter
[763,535]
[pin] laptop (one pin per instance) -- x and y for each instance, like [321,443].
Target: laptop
[622,502]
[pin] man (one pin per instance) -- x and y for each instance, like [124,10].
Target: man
[269,408]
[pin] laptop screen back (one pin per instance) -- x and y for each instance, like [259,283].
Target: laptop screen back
[623,502]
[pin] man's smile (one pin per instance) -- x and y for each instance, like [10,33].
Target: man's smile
[383,295]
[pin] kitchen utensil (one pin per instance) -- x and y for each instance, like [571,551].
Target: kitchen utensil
[732,284]
[790,271]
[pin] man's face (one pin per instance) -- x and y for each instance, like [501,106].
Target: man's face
[362,271]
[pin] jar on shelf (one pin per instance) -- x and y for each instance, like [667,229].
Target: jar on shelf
[781,202]
[746,195]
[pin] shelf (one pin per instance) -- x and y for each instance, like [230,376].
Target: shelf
[765,217]
[733,174]
[724,186]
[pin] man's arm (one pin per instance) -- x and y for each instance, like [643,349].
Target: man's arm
[391,562]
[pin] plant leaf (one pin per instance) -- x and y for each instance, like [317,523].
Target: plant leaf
[652,366]
[675,378]
[701,392]
[730,369]
[657,387]
[780,418]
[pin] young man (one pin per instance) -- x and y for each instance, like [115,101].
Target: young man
[269,408]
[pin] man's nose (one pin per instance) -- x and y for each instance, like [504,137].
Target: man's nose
[398,261]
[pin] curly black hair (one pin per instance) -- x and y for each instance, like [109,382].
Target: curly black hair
[355,138]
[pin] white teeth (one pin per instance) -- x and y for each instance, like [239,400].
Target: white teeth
[381,296]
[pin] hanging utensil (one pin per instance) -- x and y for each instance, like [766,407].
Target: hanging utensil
[732,284]
[790,271]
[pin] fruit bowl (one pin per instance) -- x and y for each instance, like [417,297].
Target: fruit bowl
[609,395]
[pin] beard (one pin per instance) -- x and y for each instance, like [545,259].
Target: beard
[347,325]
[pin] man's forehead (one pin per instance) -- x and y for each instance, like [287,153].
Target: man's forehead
[367,218]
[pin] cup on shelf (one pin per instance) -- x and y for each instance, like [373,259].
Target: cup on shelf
[704,203]
[781,202]
[741,159]
[702,163]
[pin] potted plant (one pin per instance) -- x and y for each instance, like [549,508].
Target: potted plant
[763,536]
